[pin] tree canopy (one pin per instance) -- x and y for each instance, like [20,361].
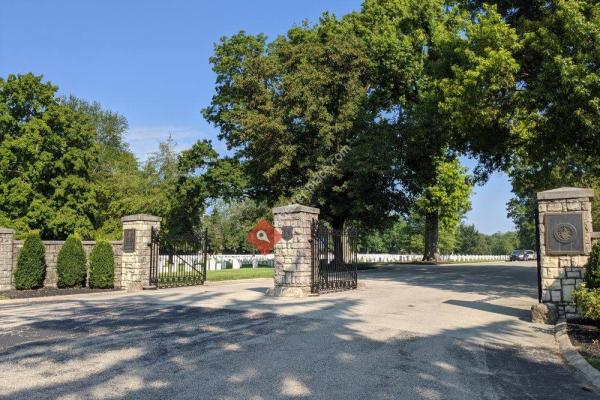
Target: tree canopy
[289,107]
[66,168]
[47,155]
[364,116]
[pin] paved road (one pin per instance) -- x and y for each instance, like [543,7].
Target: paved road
[415,332]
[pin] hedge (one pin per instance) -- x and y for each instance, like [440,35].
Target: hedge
[71,265]
[592,273]
[102,266]
[588,302]
[31,266]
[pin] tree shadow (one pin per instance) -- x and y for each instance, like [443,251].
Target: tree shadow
[144,347]
[523,315]
[501,280]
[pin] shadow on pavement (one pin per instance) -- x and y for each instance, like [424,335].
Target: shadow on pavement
[148,350]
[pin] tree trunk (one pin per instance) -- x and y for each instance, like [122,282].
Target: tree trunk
[432,249]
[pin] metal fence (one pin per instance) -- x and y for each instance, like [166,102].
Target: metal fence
[333,259]
[177,261]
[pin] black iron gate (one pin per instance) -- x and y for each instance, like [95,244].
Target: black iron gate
[177,261]
[333,259]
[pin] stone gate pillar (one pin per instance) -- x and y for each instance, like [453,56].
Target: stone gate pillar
[135,264]
[6,258]
[565,235]
[293,252]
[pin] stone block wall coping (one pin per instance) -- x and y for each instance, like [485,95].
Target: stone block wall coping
[595,235]
[7,230]
[59,242]
[565,193]
[141,217]
[296,208]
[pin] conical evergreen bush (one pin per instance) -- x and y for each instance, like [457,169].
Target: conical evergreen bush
[102,266]
[71,266]
[592,273]
[31,266]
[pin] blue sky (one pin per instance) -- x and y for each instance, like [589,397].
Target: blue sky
[148,60]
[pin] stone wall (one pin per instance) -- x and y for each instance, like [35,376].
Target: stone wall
[561,274]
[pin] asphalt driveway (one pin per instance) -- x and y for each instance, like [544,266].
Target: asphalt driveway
[415,332]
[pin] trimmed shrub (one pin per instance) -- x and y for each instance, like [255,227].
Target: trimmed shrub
[102,266]
[588,302]
[592,273]
[31,267]
[71,268]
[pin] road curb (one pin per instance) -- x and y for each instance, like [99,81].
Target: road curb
[63,297]
[574,359]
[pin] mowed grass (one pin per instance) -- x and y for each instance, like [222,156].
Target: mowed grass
[242,273]
[595,362]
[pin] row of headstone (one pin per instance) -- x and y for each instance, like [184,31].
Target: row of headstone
[236,261]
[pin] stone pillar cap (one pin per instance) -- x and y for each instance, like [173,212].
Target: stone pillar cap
[295,208]
[141,217]
[6,230]
[565,193]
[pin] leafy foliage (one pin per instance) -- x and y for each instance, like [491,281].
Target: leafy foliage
[592,273]
[552,137]
[406,236]
[228,225]
[71,265]
[289,106]
[46,157]
[202,176]
[31,266]
[440,76]
[588,302]
[102,266]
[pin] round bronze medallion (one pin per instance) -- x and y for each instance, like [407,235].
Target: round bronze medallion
[565,233]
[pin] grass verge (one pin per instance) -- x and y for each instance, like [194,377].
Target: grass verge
[594,362]
[242,273]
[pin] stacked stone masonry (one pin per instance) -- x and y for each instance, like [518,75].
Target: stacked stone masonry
[131,269]
[6,256]
[293,267]
[135,265]
[562,274]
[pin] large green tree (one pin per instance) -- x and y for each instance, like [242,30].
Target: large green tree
[444,201]
[439,73]
[228,224]
[201,178]
[297,113]
[47,153]
[553,133]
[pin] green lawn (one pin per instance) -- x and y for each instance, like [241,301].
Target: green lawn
[242,273]
[595,362]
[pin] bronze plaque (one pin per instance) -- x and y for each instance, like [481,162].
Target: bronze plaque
[129,241]
[287,233]
[564,234]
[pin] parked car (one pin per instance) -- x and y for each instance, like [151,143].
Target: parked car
[530,255]
[523,255]
[517,255]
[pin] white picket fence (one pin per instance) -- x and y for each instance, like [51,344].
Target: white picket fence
[235,261]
